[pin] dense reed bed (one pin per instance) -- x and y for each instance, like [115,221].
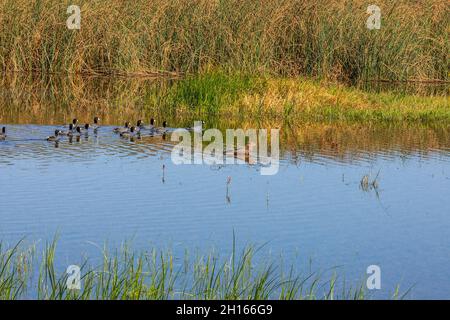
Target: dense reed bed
[320,38]
[154,274]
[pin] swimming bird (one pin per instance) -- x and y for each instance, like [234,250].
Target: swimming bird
[3,134]
[96,123]
[163,129]
[129,133]
[77,131]
[66,133]
[55,137]
[74,123]
[150,127]
[140,124]
[86,128]
[124,129]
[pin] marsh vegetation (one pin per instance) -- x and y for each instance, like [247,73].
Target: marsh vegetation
[158,274]
[214,96]
[326,39]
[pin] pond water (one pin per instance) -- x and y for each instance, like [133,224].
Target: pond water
[102,188]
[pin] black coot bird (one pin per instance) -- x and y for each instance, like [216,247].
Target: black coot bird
[3,134]
[55,137]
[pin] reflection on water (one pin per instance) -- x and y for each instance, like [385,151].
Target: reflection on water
[314,143]
[319,205]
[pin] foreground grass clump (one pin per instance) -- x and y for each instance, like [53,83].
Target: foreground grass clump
[157,275]
[320,38]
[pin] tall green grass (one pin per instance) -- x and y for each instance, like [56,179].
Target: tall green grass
[212,91]
[127,274]
[320,38]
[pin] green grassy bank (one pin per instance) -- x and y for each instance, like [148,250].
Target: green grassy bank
[240,99]
[300,99]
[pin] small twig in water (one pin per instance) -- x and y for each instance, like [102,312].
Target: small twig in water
[228,189]
[368,185]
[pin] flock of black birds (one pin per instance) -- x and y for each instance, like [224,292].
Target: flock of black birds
[74,130]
